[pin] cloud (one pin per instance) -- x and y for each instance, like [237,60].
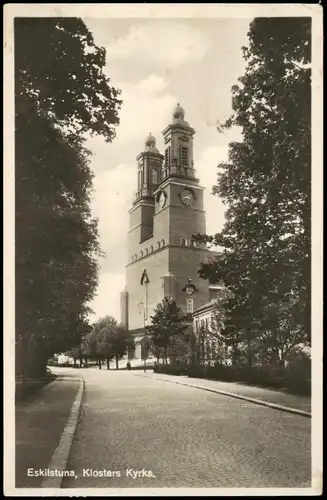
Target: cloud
[107,299]
[162,44]
[147,107]
[206,168]
[112,199]
[152,85]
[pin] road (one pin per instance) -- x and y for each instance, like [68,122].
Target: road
[182,437]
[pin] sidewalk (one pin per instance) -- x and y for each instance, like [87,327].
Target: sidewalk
[39,425]
[302,403]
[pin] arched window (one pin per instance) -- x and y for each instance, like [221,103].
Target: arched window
[193,243]
[146,251]
[135,256]
[151,248]
[184,156]
[141,253]
[154,176]
[140,179]
[158,244]
[162,242]
[182,242]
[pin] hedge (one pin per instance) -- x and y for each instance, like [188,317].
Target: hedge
[171,369]
[295,381]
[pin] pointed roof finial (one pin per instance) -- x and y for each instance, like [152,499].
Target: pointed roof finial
[178,113]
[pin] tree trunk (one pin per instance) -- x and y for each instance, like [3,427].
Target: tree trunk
[75,362]
[234,354]
[99,363]
[108,364]
[117,365]
[85,361]
[80,362]
[250,358]
[249,349]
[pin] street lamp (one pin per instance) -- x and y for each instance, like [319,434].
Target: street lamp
[145,336]
[190,289]
[145,351]
[144,282]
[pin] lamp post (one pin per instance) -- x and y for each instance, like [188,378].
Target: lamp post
[144,337]
[144,282]
[190,289]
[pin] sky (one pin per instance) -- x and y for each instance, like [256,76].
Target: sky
[157,63]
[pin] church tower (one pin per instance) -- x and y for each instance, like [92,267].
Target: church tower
[167,210]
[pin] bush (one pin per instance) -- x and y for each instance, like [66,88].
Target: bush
[291,379]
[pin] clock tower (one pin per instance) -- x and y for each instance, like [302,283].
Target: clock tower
[167,211]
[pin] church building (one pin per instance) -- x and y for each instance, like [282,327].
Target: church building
[163,259]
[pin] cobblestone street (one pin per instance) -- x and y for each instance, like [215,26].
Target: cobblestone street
[186,436]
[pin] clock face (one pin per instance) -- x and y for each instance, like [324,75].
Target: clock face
[187,197]
[162,199]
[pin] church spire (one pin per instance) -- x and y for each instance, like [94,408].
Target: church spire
[178,138]
[149,165]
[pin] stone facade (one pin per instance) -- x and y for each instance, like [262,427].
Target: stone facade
[167,210]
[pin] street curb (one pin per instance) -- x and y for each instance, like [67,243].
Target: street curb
[60,457]
[244,398]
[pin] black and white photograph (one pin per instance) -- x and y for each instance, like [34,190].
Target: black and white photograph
[163,249]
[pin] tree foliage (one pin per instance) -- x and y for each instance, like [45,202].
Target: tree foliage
[61,94]
[59,67]
[266,187]
[167,328]
[107,340]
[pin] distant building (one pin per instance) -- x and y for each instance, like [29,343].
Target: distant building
[206,330]
[63,359]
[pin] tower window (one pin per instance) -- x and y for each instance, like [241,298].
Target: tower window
[146,251]
[154,176]
[141,253]
[184,156]
[182,242]
[151,248]
[189,305]
[167,156]
[158,244]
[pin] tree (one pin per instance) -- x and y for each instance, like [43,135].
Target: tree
[59,68]
[167,326]
[61,94]
[109,340]
[121,342]
[266,187]
[89,346]
[76,353]
[103,331]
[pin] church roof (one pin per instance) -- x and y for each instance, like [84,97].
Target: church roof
[207,306]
